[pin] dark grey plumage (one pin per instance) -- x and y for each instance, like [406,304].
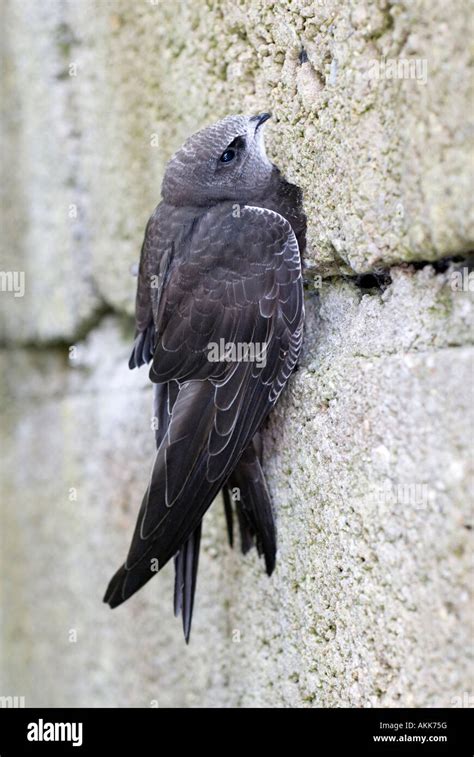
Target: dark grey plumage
[220,260]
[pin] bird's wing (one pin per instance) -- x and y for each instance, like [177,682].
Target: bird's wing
[240,281]
[155,259]
[186,561]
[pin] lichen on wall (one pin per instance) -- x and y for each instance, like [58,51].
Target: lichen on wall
[367,453]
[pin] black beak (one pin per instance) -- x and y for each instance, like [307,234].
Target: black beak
[260,119]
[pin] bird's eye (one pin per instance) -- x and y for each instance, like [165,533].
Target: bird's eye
[227,156]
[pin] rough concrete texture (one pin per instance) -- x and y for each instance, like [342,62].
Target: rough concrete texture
[104,92]
[367,462]
[367,454]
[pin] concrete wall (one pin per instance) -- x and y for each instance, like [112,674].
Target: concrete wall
[367,455]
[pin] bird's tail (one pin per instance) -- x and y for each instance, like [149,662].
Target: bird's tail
[186,567]
[247,488]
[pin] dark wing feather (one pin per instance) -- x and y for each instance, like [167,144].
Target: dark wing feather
[187,559]
[186,567]
[253,504]
[155,259]
[219,406]
[228,512]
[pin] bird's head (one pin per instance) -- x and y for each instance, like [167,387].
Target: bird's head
[224,161]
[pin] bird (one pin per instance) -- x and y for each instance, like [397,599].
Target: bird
[220,264]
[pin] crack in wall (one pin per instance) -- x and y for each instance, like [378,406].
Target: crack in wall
[374,282]
[380,278]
